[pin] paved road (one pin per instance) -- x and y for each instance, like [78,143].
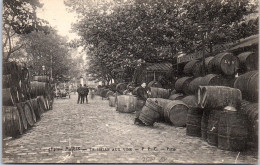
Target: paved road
[96,133]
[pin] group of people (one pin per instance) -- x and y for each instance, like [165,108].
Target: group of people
[82,94]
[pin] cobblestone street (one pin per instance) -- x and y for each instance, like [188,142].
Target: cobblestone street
[98,134]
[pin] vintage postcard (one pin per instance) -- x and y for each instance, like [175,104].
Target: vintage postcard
[130,81]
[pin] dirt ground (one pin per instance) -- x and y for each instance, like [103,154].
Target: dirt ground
[97,133]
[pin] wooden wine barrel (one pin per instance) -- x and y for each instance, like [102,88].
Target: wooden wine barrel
[28,102]
[12,124]
[232,130]
[10,96]
[28,114]
[42,103]
[225,63]
[176,112]
[248,84]
[204,124]
[250,110]
[208,80]
[182,83]
[248,61]
[193,123]
[22,115]
[212,131]
[177,96]
[208,64]
[38,89]
[121,87]
[10,68]
[126,103]
[41,78]
[36,109]
[162,103]
[154,84]
[189,67]
[109,93]
[159,93]
[150,112]
[198,70]
[112,101]
[218,97]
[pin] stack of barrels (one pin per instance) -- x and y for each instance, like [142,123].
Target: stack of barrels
[42,92]
[18,111]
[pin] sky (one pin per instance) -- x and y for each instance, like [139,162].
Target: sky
[54,11]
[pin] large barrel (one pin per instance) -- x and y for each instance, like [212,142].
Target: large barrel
[248,61]
[218,97]
[189,67]
[193,117]
[154,84]
[212,131]
[121,87]
[126,103]
[208,80]
[36,108]
[251,111]
[177,96]
[150,112]
[232,130]
[10,96]
[112,101]
[225,63]
[38,88]
[12,124]
[41,78]
[162,103]
[198,70]
[175,112]
[29,114]
[248,84]
[22,115]
[204,124]
[159,93]
[182,84]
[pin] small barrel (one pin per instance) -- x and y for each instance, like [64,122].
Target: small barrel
[189,67]
[38,89]
[10,96]
[218,97]
[12,124]
[204,124]
[126,103]
[154,84]
[212,131]
[193,117]
[41,78]
[159,93]
[182,84]
[22,115]
[121,87]
[225,63]
[248,61]
[177,96]
[150,112]
[176,112]
[112,101]
[232,130]
[248,84]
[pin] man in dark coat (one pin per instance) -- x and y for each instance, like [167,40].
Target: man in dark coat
[142,95]
[79,91]
[86,91]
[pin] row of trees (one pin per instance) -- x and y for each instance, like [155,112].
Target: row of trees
[31,41]
[120,34]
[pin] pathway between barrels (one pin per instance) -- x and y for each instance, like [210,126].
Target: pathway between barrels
[96,133]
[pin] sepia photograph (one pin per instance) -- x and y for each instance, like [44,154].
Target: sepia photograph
[130,81]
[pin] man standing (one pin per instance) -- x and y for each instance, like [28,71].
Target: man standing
[79,90]
[85,93]
[142,95]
